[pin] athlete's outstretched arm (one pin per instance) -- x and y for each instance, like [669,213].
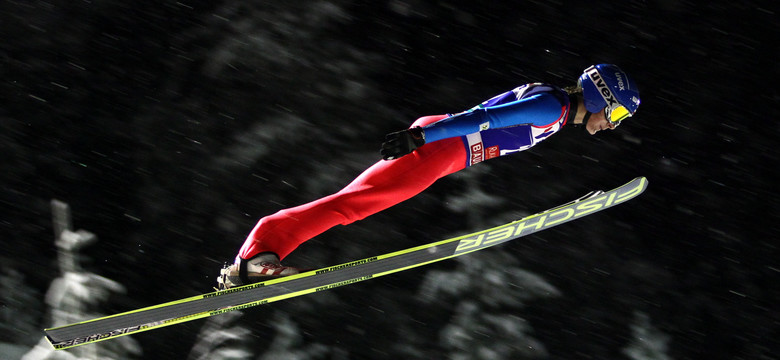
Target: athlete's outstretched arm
[538,110]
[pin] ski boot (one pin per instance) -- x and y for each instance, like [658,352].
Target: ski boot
[261,267]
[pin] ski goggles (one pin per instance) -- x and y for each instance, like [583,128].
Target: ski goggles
[616,114]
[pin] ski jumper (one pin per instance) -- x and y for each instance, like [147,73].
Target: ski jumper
[507,123]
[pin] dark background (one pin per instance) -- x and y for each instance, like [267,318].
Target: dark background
[171,127]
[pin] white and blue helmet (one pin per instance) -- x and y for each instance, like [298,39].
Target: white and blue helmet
[606,86]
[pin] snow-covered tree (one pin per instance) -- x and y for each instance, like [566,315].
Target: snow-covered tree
[489,291]
[647,343]
[76,295]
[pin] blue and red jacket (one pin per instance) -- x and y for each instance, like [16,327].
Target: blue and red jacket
[508,123]
[513,121]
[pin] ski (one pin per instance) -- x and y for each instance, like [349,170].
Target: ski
[247,296]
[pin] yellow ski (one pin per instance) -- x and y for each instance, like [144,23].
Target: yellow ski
[247,296]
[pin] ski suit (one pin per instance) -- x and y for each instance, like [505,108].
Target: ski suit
[510,122]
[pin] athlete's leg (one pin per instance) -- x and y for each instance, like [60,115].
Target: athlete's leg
[381,186]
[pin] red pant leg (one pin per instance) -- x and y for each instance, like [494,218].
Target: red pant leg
[381,186]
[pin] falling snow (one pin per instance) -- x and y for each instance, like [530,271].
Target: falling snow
[169,128]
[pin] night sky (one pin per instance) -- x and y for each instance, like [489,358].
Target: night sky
[171,127]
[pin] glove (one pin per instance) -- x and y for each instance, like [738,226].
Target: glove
[400,143]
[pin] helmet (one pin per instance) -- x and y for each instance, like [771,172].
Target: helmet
[605,85]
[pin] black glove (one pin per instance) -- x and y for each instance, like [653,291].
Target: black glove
[400,143]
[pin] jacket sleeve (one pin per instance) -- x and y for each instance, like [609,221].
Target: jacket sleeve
[537,110]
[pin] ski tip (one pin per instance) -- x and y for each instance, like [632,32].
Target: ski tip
[640,180]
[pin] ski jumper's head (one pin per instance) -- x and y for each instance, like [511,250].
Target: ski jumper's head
[605,86]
